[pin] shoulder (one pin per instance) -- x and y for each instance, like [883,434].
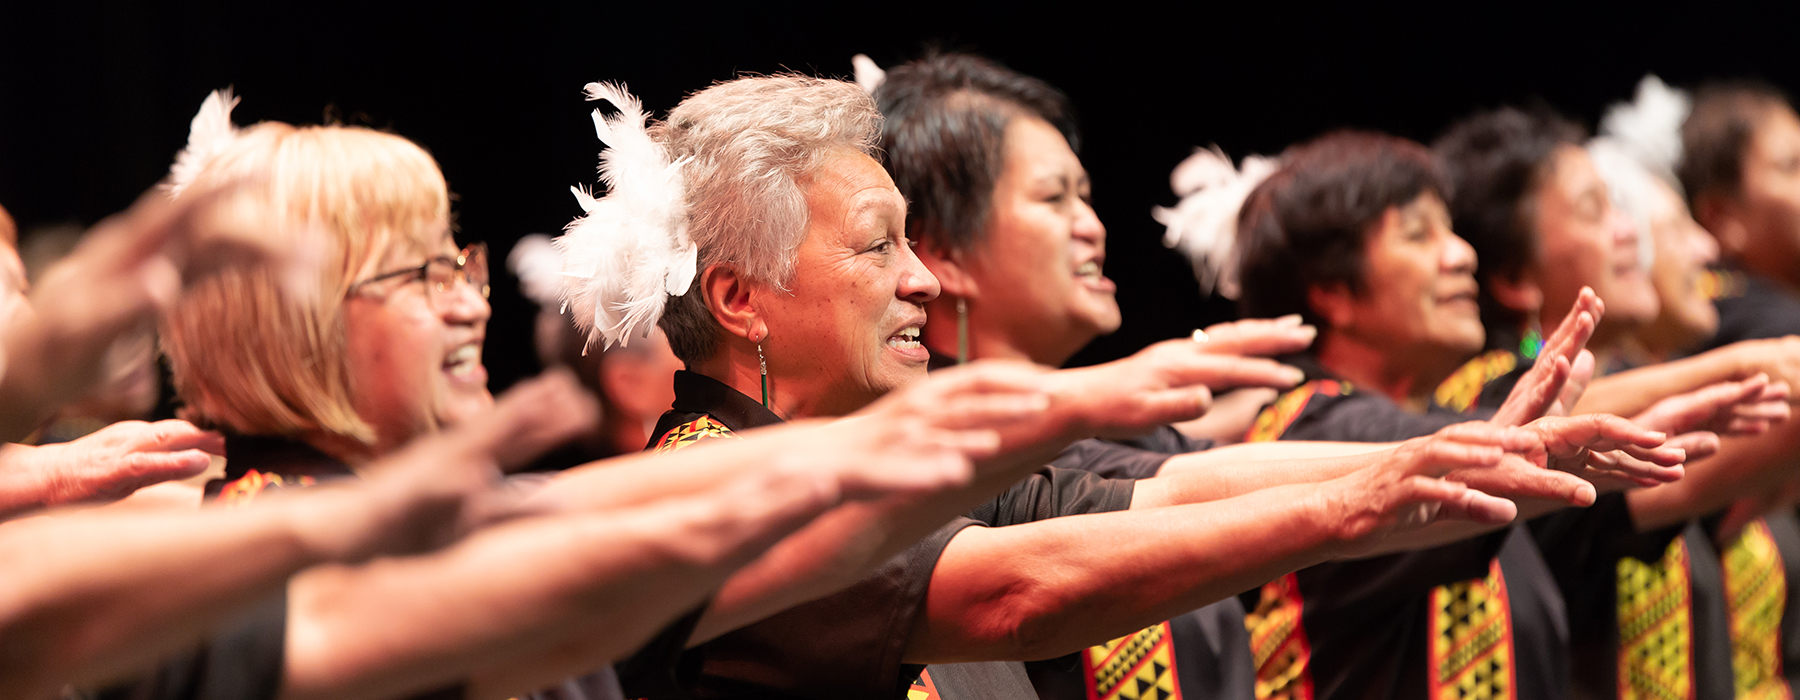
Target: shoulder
[693,430]
[1275,419]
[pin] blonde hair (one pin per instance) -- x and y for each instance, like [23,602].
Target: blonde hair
[246,355]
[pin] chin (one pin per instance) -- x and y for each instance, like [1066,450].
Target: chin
[463,406]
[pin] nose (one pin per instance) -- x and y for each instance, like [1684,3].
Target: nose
[462,303]
[1087,227]
[1459,256]
[916,283]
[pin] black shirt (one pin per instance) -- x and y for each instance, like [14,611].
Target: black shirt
[849,644]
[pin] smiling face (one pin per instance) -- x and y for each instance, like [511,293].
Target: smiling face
[1418,285]
[1583,240]
[846,330]
[413,355]
[1038,271]
[1768,204]
[1683,252]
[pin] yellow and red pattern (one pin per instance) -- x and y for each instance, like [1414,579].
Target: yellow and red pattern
[1139,666]
[1471,640]
[1460,392]
[1656,627]
[1275,419]
[922,687]
[1755,597]
[245,488]
[702,428]
[1278,642]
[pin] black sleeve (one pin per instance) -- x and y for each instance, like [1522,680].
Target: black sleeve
[848,644]
[1167,440]
[241,661]
[1110,459]
[1055,492]
[661,668]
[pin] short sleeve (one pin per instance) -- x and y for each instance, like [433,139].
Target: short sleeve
[1055,492]
[846,645]
[1110,460]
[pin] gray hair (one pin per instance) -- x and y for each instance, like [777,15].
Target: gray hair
[752,142]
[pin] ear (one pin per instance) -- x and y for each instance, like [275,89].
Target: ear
[1715,213]
[1523,294]
[1333,303]
[950,268]
[731,298]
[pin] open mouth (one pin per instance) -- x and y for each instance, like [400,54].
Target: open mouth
[1090,274]
[464,362]
[906,340]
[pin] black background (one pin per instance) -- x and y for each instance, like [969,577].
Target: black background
[95,98]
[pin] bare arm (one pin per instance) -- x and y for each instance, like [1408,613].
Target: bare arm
[107,465]
[1635,390]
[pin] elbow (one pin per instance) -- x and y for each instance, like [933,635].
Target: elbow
[1027,622]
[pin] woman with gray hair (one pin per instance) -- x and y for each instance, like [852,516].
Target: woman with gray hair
[758,207]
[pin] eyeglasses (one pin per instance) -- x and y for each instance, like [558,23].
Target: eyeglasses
[442,273]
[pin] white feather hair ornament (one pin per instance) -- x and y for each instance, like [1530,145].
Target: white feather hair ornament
[868,75]
[630,252]
[1649,127]
[537,264]
[1203,225]
[209,134]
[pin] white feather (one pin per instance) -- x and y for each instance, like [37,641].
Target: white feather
[868,75]
[1203,225]
[1649,127]
[538,266]
[631,251]
[209,134]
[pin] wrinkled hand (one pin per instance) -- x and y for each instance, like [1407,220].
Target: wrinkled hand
[1607,451]
[1463,472]
[115,461]
[1777,357]
[1562,370]
[1741,408]
[438,487]
[1165,383]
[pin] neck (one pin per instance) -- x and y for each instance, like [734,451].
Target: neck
[987,340]
[353,453]
[790,397]
[1409,376]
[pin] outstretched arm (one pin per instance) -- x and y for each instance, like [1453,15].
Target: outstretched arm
[93,595]
[107,465]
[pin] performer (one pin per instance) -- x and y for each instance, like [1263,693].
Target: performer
[778,244]
[1394,292]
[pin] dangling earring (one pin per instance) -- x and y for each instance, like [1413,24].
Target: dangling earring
[1533,342]
[764,366]
[962,330]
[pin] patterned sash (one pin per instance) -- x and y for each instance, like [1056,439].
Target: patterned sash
[1462,390]
[922,687]
[1133,667]
[1755,596]
[1656,627]
[702,428]
[1278,642]
[245,488]
[1471,640]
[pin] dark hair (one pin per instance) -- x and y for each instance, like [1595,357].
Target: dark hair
[1496,161]
[1308,223]
[1717,133]
[943,133]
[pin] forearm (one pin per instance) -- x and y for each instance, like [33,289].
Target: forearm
[523,604]
[1743,467]
[95,595]
[1052,587]
[838,549]
[1632,391]
[1239,469]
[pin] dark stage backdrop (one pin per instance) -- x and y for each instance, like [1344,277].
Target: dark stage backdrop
[95,99]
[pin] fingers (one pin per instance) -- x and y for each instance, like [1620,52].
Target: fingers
[1456,501]
[1436,457]
[172,435]
[534,417]
[1229,371]
[1513,477]
[992,410]
[157,467]
[1511,439]
[1576,328]
[1598,431]
[1581,372]
[1535,393]
[1698,445]
[1277,336]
